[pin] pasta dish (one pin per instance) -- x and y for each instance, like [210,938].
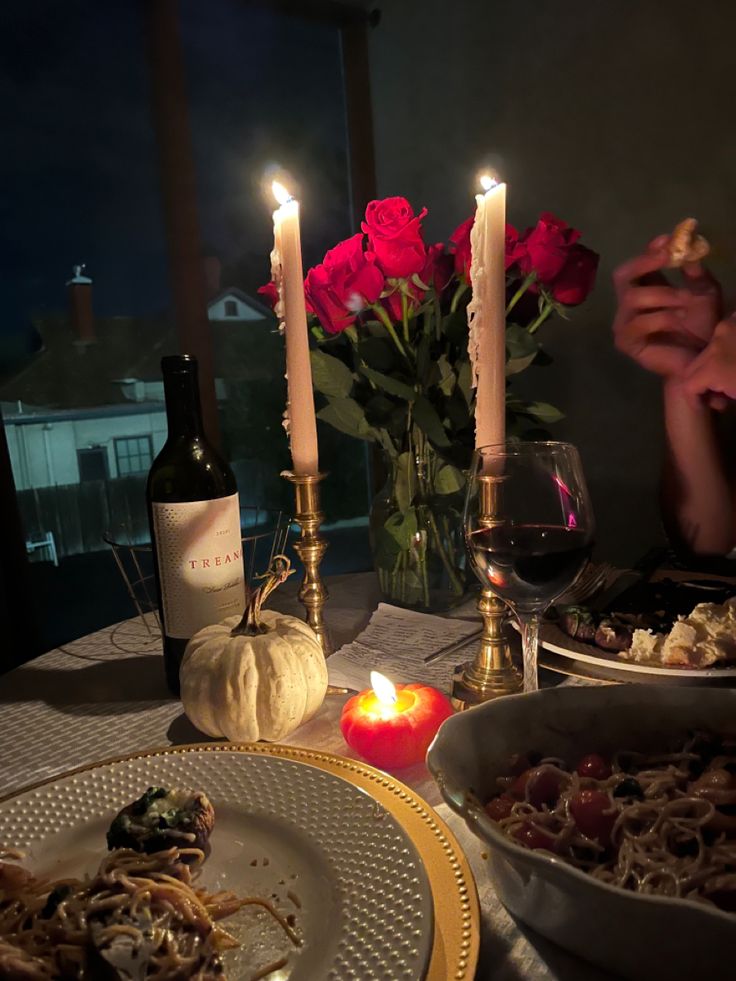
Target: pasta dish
[653,823]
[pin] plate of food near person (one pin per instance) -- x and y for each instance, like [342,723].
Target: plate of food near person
[682,631]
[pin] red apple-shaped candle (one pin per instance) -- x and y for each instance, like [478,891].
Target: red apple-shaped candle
[392,726]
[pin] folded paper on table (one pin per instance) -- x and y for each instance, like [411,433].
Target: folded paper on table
[396,642]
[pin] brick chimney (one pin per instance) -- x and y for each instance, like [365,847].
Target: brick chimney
[80,306]
[212,275]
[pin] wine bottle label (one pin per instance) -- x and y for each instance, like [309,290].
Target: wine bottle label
[200,563]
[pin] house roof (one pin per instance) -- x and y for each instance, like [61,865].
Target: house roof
[66,374]
[249,301]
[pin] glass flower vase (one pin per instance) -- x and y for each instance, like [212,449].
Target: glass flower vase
[416,532]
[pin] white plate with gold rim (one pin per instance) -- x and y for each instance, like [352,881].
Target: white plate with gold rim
[321,848]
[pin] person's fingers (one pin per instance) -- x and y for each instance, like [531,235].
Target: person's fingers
[717,402]
[631,335]
[693,270]
[664,359]
[658,243]
[628,272]
[697,378]
[651,298]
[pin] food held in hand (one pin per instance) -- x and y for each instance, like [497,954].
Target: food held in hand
[654,823]
[162,819]
[685,245]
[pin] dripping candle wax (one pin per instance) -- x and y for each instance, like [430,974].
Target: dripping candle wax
[289,278]
[487,313]
[391,726]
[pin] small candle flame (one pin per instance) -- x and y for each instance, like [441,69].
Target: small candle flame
[280,193]
[487,182]
[384,689]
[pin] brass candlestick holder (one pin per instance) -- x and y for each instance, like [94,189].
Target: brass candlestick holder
[310,548]
[492,672]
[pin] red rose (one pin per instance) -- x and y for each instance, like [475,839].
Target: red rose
[460,248]
[577,277]
[438,268]
[515,248]
[270,292]
[437,272]
[346,281]
[394,235]
[547,246]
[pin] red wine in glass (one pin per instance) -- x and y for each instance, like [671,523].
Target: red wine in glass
[528,528]
[528,565]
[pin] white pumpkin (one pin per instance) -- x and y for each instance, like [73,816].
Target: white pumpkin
[258,686]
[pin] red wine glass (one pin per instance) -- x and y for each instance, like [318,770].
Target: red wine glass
[528,529]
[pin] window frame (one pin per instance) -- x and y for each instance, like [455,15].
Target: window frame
[118,441]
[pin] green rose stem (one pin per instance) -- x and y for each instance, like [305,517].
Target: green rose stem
[421,547]
[423,450]
[462,287]
[353,338]
[405,316]
[545,312]
[386,321]
[525,284]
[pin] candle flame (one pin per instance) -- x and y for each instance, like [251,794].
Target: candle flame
[487,182]
[280,193]
[384,689]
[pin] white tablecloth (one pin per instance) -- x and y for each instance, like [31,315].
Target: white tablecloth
[104,695]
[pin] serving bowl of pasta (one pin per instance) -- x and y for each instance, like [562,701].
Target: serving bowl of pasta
[609,816]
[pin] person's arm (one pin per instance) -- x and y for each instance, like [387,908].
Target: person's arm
[666,330]
[696,496]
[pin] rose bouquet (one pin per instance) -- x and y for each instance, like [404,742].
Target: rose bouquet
[391,364]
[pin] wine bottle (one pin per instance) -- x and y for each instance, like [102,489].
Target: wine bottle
[194,516]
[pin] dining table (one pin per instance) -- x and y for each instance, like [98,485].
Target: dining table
[104,695]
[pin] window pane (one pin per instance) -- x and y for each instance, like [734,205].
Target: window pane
[280,107]
[80,392]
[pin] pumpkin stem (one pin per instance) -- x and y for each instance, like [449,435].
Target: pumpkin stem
[251,624]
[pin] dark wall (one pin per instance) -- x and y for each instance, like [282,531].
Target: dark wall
[618,116]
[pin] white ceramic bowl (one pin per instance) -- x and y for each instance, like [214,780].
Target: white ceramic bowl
[639,937]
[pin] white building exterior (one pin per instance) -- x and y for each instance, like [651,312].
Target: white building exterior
[52,447]
[233,304]
[48,449]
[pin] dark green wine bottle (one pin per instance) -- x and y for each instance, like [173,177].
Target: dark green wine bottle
[194,515]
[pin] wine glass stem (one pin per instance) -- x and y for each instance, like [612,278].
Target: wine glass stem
[529,640]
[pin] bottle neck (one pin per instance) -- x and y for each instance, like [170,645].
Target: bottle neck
[183,409]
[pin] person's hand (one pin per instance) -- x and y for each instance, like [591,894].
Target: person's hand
[711,376]
[660,326]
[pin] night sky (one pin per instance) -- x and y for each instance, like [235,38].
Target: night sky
[78,165]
